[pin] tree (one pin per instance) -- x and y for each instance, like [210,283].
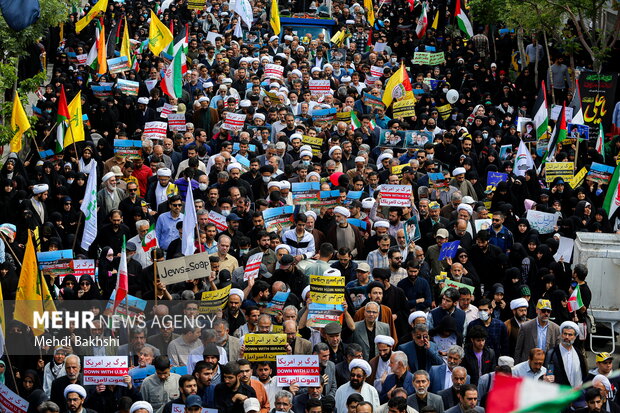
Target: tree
[15,45]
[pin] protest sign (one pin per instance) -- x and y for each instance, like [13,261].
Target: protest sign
[118,64]
[581,132]
[323,116]
[83,267]
[437,59]
[598,92]
[390,139]
[128,87]
[219,220]
[327,199]
[81,58]
[376,71]
[411,228]
[245,162]
[304,192]
[370,80]
[352,196]
[372,101]
[212,301]
[494,178]
[319,315]
[395,195]
[273,97]
[438,181]
[448,250]
[448,283]
[196,5]
[185,268]
[578,178]
[11,402]
[358,223]
[482,224]
[264,347]
[403,108]
[417,138]
[444,111]
[138,374]
[55,264]
[314,142]
[234,121]
[273,71]
[527,128]
[105,370]
[130,149]
[543,222]
[166,110]
[379,47]
[155,130]
[176,122]
[180,408]
[343,117]
[253,266]
[319,87]
[398,169]
[327,290]
[563,170]
[600,173]
[101,91]
[421,58]
[131,307]
[565,249]
[150,84]
[278,218]
[277,303]
[303,370]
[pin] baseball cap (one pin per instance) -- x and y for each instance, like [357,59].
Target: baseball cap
[543,304]
[233,217]
[600,357]
[442,233]
[193,401]
[364,267]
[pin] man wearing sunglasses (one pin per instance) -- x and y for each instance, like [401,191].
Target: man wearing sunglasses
[537,333]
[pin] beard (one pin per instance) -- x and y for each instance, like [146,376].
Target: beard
[386,357]
[356,384]
[568,343]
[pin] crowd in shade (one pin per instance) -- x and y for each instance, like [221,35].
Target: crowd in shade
[377,146]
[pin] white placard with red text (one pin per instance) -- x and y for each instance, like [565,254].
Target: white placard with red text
[376,71]
[273,71]
[303,370]
[234,121]
[11,402]
[219,220]
[253,266]
[155,130]
[319,87]
[105,369]
[395,195]
[176,122]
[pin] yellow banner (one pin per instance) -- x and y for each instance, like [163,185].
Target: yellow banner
[264,347]
[403,108]
[326,289]
[564,170]
[398,169]
[212,301]
[578,179]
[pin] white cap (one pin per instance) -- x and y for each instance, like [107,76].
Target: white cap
[506,361]
[273,184]
[332,272]
[416,314]
[367,203]
[203,99]
[141,405]
[387,340]
[305,153]
[245,103]
[342,211]
[333,148]
[233,165]
[227,80]
[295,136]
[108,176]
[143,101]
[207,85]
[280,145]
[289,38]
[75,388]
[345,79]
[259,116]
[251,404]
[518,303]
[381,224]
[311,214]
[458,171]
[360,159]
[360,364]
[467,200]
[285,185]
[315,69]
[39,189]
[466,207]
[164,172]
[272,38]
[237,291]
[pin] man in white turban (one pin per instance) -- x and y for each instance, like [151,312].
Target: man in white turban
[141,407]
[360,369]
[75,396]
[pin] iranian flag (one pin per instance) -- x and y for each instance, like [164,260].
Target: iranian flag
[355,122]
[462,20]
[180,42]
[574,301]
[172,83]
[600,141]
[560,133]
[122,281]
[422,23]
[612,199]
[521,395]
[62,118]
[150,239]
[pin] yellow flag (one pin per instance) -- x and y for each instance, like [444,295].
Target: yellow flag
[371,12]
[19,124]
[398,87]
[159,35]
[338,37]
[32,292]
[100,7]
[75,132]
[274,17]
[125,45]
[436,21]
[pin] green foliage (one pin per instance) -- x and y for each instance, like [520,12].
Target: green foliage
[487,12]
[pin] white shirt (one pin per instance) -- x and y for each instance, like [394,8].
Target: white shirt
[448,380]
[382,367]
[571,366]
[160,194]
[523,369]
[368,392]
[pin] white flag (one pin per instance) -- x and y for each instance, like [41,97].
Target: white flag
[523,161]
[89,208]
[189,223]
[244,9]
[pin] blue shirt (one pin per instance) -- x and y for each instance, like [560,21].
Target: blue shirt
[166,229]
[541,335]
[502,239]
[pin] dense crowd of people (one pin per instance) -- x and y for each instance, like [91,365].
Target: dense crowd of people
[419,332]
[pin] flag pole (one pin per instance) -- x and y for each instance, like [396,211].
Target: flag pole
[10,248]
[77,229]
[155,274]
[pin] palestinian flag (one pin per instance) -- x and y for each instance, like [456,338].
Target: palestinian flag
[574,301]
[172,83]
[462,20]
[612,198]
[62,118]
[541,113]
[422,23]
[150,239]
[523,395]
